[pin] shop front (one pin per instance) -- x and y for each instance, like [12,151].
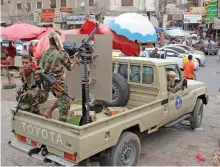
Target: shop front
[53,17]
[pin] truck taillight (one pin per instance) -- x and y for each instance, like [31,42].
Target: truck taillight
[69,156]
[21,138]
[33,143]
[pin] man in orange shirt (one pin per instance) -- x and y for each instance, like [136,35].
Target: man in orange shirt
[189,68]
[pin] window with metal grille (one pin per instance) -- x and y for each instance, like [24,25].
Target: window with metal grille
[126,2]
[39,5]
[63,3]
[19,6]
[28,6]
[53,4]
[91,2]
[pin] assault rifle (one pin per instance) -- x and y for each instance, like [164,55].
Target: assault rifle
[22,90]
[54,84]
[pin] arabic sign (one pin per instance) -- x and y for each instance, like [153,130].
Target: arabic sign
[202,10]
[64,13]
[78,19]
[192,17]
[47,15]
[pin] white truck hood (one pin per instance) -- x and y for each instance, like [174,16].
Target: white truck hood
[192,84]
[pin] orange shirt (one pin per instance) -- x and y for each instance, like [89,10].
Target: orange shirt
[189,68]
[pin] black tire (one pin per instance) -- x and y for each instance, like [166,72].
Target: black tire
[125,153]
[120,92]
[199,62]
[9,86]
[197,114]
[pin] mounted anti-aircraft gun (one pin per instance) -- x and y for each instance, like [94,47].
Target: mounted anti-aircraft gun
[84,54]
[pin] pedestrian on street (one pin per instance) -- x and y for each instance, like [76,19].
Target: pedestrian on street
[189,69]
[144,53]
[11,53]
[209,46]
[25,51]
[31,47]
[155,54]
[4,52]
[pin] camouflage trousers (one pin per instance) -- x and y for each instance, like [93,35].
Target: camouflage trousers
[33,98]
[62,102]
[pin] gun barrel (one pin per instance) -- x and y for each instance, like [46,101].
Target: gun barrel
[93,32]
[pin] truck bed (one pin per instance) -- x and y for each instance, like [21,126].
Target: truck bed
[85,141]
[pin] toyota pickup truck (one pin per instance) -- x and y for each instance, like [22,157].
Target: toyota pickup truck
[140,86]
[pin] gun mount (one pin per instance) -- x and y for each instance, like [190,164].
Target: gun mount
[84,54]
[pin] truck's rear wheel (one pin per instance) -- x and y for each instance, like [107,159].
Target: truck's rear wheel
[125,153]
[197,114]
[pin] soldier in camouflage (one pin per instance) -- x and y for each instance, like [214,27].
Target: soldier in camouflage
[33,95]
[171,86]
[53,62]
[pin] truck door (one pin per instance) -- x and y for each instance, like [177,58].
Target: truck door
[177,101]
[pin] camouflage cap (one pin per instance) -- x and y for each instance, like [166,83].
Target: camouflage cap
[54,35]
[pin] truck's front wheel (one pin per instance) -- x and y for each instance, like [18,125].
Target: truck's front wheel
[125,153]
[197,114]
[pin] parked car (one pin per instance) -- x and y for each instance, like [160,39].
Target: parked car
[190,49]
[200,58]
[173,55]
[116,53]
[202,45]
[18,45]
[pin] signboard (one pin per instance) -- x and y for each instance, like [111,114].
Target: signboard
[202,10]
[165,19]
[78,19]
[218,8]
[64,13]
[212,12]
[192,17]
[47,15]
[56,17]
[217,24]
[37,16]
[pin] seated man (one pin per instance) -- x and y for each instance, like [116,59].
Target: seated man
[171,86]
[32,94]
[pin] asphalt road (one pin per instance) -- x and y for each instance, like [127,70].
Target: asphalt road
[175,146]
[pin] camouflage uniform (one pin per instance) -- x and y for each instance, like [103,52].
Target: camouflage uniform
[35,95]
[172,87]
[52,62]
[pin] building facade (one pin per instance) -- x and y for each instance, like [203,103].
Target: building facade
[25,10]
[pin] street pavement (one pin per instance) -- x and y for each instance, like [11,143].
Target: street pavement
[174,146]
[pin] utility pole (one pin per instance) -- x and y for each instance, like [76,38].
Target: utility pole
[165,7]
[87,10]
